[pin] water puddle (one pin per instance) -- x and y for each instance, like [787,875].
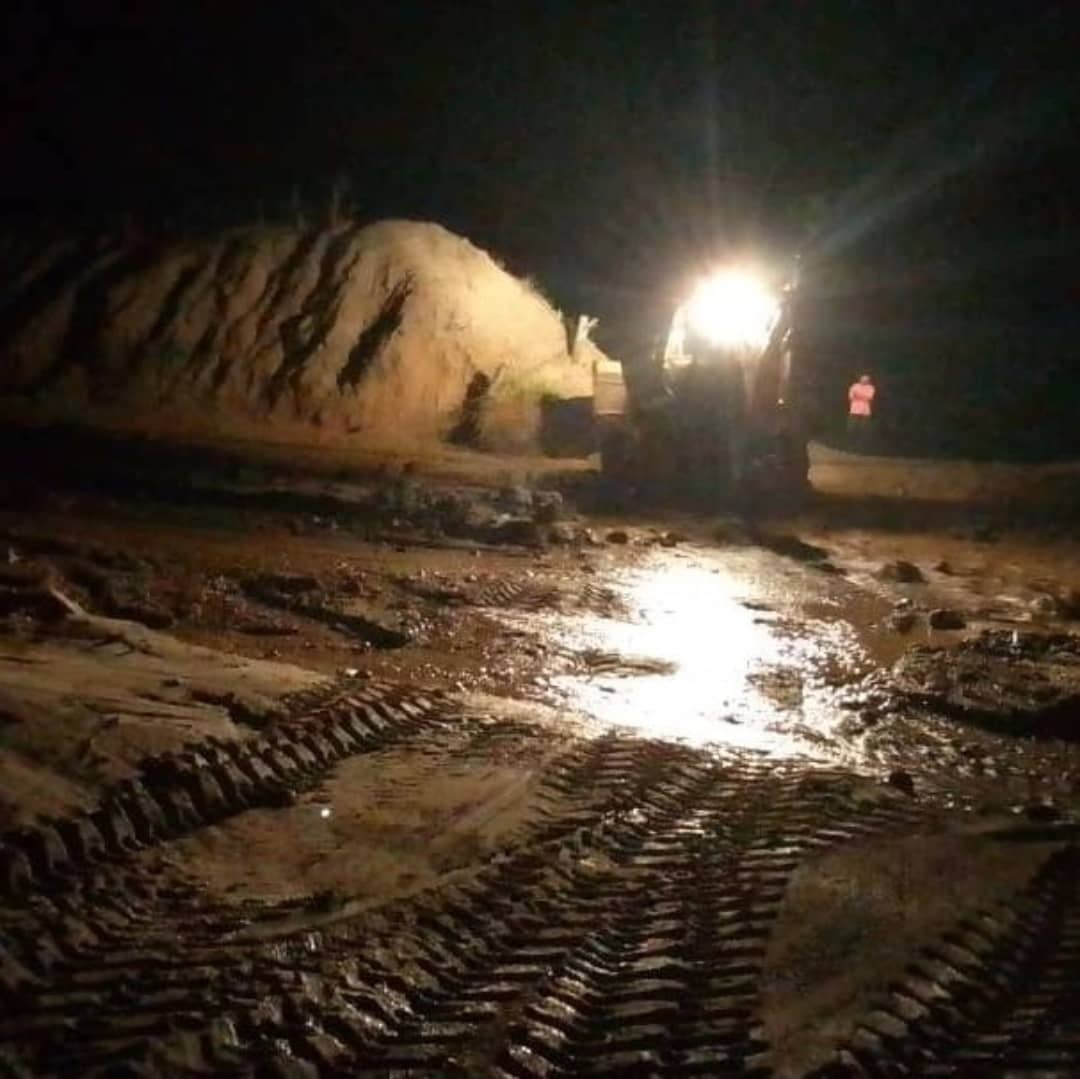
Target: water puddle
[741,649]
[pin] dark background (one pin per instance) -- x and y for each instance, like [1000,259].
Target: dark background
[921,156]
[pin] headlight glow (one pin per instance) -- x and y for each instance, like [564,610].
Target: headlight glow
[733,309]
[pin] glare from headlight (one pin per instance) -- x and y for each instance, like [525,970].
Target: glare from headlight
[733,309]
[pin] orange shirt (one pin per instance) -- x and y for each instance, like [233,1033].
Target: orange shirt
[861,397]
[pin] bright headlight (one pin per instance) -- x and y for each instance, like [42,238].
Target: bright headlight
[733,309]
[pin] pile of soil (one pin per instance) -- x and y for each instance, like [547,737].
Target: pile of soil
[389,335]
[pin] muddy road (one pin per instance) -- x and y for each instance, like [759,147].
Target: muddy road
[333,791]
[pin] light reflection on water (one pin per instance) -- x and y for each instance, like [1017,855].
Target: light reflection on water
[740,678]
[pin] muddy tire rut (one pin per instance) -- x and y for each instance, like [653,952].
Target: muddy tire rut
[618,928]
[999,994]
[174,794]
[537,597]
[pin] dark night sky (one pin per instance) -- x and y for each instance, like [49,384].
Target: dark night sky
[920,154]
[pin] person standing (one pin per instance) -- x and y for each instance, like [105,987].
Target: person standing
[860,411]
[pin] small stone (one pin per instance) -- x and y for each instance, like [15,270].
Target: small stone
[1044,605]
[903,621]
[944,566]
[518,531]
[946,618]
[672,539]
[1069,603]
[901,572]
[617,535]
[547,506]
[902,781]
[829,568]
[790,546]
[561,534]
[516,500]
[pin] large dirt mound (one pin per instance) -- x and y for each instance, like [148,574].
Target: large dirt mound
[393,334]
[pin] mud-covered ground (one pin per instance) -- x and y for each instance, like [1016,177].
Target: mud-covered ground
[311,777]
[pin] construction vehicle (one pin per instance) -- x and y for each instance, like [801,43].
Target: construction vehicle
[706,421]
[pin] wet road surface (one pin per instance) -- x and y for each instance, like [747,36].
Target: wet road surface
[737,649]
[592,888]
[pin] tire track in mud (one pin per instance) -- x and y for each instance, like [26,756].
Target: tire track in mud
[171,974]
[641,853]
[544,901]
[620,930]
[581,917]
[35,946]
[536,597]
[998,995]
[69,885]
[174,794]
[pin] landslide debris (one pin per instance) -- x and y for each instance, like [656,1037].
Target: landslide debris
[377,336]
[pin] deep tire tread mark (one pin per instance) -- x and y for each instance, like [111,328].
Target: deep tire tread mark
[177,793]
[637,901]
[997,995]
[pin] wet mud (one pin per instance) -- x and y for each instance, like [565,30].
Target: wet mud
[672,803]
